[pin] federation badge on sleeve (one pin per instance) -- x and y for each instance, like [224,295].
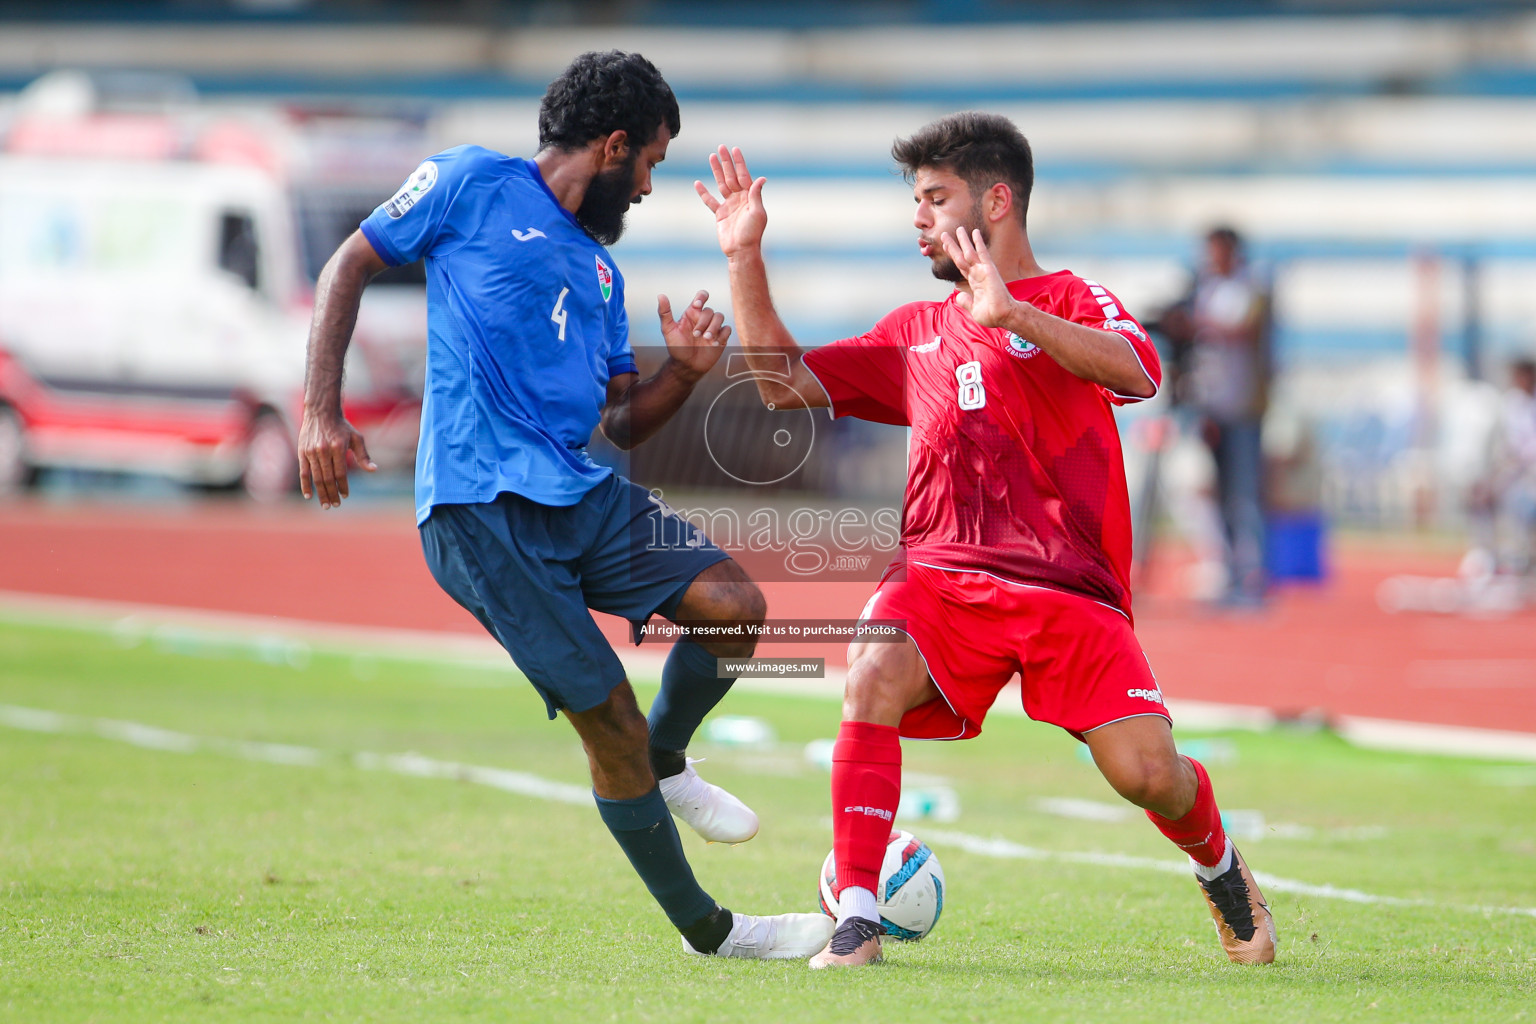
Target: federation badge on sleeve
[1130,326]
[417,185]
[604,279]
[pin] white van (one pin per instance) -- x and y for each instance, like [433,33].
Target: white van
[156,281]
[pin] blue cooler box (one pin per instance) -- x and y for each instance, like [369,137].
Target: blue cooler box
[1293,549]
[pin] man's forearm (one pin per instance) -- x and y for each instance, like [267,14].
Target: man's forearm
[1103,357]
[338,294]
[758,326]
[648,404]
[769,345]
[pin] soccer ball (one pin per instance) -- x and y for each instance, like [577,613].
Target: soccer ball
[911,893]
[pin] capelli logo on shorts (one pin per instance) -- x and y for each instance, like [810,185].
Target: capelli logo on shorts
[873,812]
[1151,695]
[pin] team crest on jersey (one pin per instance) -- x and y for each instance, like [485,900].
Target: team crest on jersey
[604,279]
[1126,325]
[1017,346]
[417,185]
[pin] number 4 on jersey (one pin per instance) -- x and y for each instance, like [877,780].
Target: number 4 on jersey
[973,395]
[558,314]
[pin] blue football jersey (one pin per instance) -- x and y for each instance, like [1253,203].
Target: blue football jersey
[525,326]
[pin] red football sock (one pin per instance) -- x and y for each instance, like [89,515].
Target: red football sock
[1198,833]
[866,787]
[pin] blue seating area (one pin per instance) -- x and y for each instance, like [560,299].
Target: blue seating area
[705,13]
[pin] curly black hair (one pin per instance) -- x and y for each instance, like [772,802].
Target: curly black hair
[601,93]
[982,149]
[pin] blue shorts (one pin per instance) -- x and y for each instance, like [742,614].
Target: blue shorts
[529,572]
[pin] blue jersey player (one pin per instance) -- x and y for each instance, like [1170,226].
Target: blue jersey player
[528,352]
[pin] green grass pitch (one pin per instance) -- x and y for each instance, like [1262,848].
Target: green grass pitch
[144,884]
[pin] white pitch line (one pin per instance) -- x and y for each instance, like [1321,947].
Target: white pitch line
[504,779]
[415,765]
[272,637]
[1007,850]
[151,737]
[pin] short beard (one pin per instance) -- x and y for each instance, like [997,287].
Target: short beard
[608,198]
[944,268]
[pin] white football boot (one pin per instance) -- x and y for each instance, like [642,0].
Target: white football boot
[783,937]
[707,809]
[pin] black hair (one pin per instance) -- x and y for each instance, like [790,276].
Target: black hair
[982,149]
[1227,235]
[604,92]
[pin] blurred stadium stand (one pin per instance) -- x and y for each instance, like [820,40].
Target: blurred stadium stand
[1377,153]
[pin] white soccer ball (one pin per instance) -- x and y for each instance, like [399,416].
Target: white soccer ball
[911,893]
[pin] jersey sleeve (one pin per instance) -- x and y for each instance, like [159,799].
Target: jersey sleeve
[865,376]
[621,352]
[418,219]
[1095,307]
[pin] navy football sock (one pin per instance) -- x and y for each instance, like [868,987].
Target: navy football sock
[667,763]
[644,830]
[706,934]
[689,691]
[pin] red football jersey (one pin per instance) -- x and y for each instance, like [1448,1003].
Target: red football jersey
[1015,465]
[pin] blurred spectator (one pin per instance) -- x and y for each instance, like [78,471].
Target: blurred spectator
[1511,489]
[1221,332]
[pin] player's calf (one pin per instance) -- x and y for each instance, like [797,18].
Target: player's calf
[690,688]
[1138,758]
[691,685]
[1243,921]
[884,681]
[614,736]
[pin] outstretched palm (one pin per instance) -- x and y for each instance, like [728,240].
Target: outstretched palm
[989,302]
[740,216]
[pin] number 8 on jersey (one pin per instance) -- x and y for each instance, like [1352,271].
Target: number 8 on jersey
[972,394]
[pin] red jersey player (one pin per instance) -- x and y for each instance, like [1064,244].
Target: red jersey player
[1016,529]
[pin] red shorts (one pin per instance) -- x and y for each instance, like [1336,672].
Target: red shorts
[1078,661]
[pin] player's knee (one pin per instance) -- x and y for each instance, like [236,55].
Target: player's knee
[723,592]
[1150,782]
[859,687]
[874,690]
[1130,784]
[746,604]
[615,724]
[742,605]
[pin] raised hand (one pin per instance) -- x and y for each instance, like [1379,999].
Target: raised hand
[989,302]
[740,216]
[698,337]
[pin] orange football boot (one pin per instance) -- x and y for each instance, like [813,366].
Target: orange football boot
[855,943]
[1243,921]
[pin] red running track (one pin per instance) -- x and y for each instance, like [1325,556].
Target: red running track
[1327,648]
